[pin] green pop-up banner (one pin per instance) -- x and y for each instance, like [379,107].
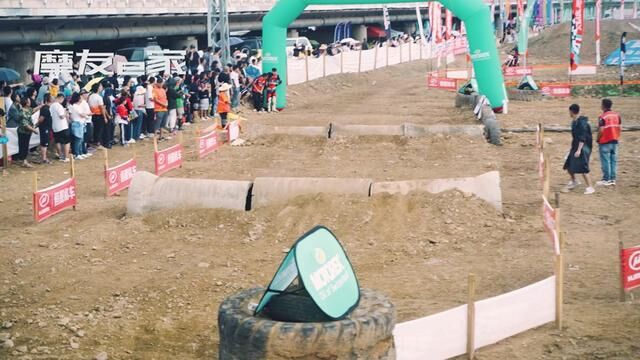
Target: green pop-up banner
[474,13]
[324,270]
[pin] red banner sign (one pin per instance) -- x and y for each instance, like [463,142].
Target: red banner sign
[442,83]
[630,261]
[168,159]
[561,90]
[119,177]
[54,199]
[577,32]
[516,71]
[233,131]
[549,220]
[207,144]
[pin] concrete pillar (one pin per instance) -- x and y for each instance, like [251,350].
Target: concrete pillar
[292,33]
[21,59]
[179,44]
[360,32]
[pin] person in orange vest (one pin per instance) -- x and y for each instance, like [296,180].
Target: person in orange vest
[257,90]
[609,127]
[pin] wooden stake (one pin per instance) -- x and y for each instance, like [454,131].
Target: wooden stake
[560,282]
[72,165]
[623,293]
[106,166]
[541,137]
[35,190]
[546,185]
[155,144]
[375,57]
[471,316]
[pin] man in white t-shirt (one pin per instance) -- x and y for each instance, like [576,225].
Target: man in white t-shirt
[148,129]
[60,126]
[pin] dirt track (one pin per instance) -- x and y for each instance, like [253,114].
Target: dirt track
[149,288]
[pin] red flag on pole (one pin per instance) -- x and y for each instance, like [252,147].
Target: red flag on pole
[598,20]
[577,31]
[448,24]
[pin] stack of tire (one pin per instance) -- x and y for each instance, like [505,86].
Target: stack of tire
[478,103]
[366,333]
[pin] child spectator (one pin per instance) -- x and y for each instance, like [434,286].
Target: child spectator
[224,103]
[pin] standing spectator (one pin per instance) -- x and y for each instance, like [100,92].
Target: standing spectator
[12,106]
[25,129]
[253,71]
[172,100]
[204,94]
[207,58]
[108,98]
[123,108]
[609,126]
[60,126]
[44,128]
[87,135]
[36,78]
[149,106]
[179,102]
[77,115]
[273,81]
[44,89]
[99,115]
[160,107]
[139,107]
[215,58]
[192,60]
[224,104]
[214,84]
[257,90]
[7,93]
[54,88]
[577,161]
[235,87]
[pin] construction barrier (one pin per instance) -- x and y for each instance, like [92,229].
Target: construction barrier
[54,199]
[518,71]
[119,177]
[207,143]
[629,269]
[167,159]
[441,83]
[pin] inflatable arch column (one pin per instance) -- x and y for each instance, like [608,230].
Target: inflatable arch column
[474,13]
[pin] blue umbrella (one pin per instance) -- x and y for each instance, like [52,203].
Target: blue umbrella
[7,74]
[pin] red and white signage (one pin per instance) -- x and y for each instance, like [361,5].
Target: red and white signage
[441,83]
[168,159]
[54,199]
[233,131]
[630,261]
[550,222]
[515,71]
[207,144]
[119,177]
[560,90]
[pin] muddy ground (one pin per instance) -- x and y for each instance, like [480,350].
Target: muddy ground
[96,280]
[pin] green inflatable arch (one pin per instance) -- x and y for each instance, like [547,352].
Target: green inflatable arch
[474,13]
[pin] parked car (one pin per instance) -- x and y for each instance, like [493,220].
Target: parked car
[297,42]
[138,53]
[250,45]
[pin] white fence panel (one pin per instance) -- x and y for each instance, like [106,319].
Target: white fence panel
[316,66]
[333,65]
[415,51]
[350,62]
[368,60]
[394,55]
[296,71]
[439,336]
[381,58]
[509,314]
[406,52]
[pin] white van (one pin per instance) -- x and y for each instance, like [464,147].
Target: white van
[297,42]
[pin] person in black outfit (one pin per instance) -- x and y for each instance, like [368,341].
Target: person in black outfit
[577,161]
[45,128]
[193,60]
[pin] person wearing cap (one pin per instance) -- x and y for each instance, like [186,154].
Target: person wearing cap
[224,103]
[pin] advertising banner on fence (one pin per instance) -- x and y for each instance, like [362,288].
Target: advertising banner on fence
[577,31]
[518,71]
[559,90]
[54,199]
[119,177]
[441,83]
[549,220]
[207,144]
[630,261]
[168,159]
